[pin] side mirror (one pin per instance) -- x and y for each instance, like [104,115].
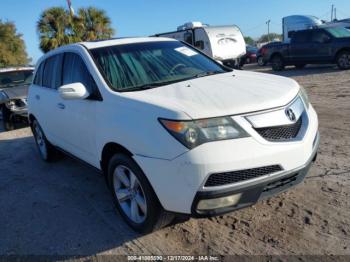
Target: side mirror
[73,91]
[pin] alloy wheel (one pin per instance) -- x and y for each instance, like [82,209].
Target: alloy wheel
[129,193]
[344,61]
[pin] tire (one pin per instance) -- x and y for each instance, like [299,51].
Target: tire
[134,196]
[300,66]
[261,61]
[6,119]
[46,150]
[343,60]
[277,63]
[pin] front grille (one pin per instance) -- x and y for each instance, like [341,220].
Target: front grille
[280,132]
[226,178]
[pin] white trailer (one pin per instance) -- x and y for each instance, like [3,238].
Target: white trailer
[223,43]
[294,23]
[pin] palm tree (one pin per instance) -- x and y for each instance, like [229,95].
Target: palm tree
[92,23]
[54,28]
[58,27]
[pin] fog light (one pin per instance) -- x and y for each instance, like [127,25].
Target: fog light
[221,202]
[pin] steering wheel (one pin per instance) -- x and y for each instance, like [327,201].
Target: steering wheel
[175,67]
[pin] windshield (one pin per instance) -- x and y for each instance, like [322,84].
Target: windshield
[138,66]
[339,32]
[15,78]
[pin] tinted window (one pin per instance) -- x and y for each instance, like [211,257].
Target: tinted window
[301,37]
[52,72]
[135,66]
[339,32]
[39,75]
[199,44]
[15,78]
[320,37]
[75,71]
[188,38]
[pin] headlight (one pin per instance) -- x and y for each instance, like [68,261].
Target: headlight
[304,97]
[197,132]
[11,104]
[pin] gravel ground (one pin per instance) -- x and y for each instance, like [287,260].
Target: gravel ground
[64,208]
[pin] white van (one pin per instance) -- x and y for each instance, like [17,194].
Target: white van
[223,43]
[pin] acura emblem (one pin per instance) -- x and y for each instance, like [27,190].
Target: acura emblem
[290,114]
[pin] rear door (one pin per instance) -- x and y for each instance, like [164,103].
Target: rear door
[44,94]
[301,47]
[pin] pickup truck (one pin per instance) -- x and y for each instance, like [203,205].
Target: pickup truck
[312,46]
[14,83]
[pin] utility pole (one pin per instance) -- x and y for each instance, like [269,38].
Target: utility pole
[335,13]
[332,11]
[268,29]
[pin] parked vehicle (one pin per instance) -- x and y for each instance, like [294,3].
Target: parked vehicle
[223,43]
[174,131]
[250,56]
[314,46]
[293,23]
[14,83]
[262,54]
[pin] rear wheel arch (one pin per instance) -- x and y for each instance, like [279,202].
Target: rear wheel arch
[276,54]
[340,51]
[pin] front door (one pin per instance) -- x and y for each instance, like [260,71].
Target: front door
[322,46]
[76,118]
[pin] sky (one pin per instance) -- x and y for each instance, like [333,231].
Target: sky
[147,17]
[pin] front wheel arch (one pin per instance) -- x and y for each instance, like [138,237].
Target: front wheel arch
[108,151]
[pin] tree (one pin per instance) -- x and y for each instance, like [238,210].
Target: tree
[268,38]
[93,24]
[54,28]
[249,41]
[12,47]
[58,27]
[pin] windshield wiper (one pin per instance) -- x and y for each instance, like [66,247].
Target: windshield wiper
[158,84]
[208,73]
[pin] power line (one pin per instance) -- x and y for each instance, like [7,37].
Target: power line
[255,27]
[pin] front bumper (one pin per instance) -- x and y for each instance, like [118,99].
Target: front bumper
[252,192]
[180,183]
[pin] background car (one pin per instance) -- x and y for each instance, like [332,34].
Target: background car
[326,45]
[250,56]
[14,83]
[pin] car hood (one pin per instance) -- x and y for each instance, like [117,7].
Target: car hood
[16,92]
[230,93]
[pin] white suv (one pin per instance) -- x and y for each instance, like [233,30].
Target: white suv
[174,131]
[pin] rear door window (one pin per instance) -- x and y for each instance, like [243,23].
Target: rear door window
[301,37]
[39,75]
[52,77]
[75,71]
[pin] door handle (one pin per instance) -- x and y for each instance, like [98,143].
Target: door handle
[61,106]
[37,97]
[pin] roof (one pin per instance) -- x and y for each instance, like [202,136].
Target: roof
[10,69]
[122,41]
